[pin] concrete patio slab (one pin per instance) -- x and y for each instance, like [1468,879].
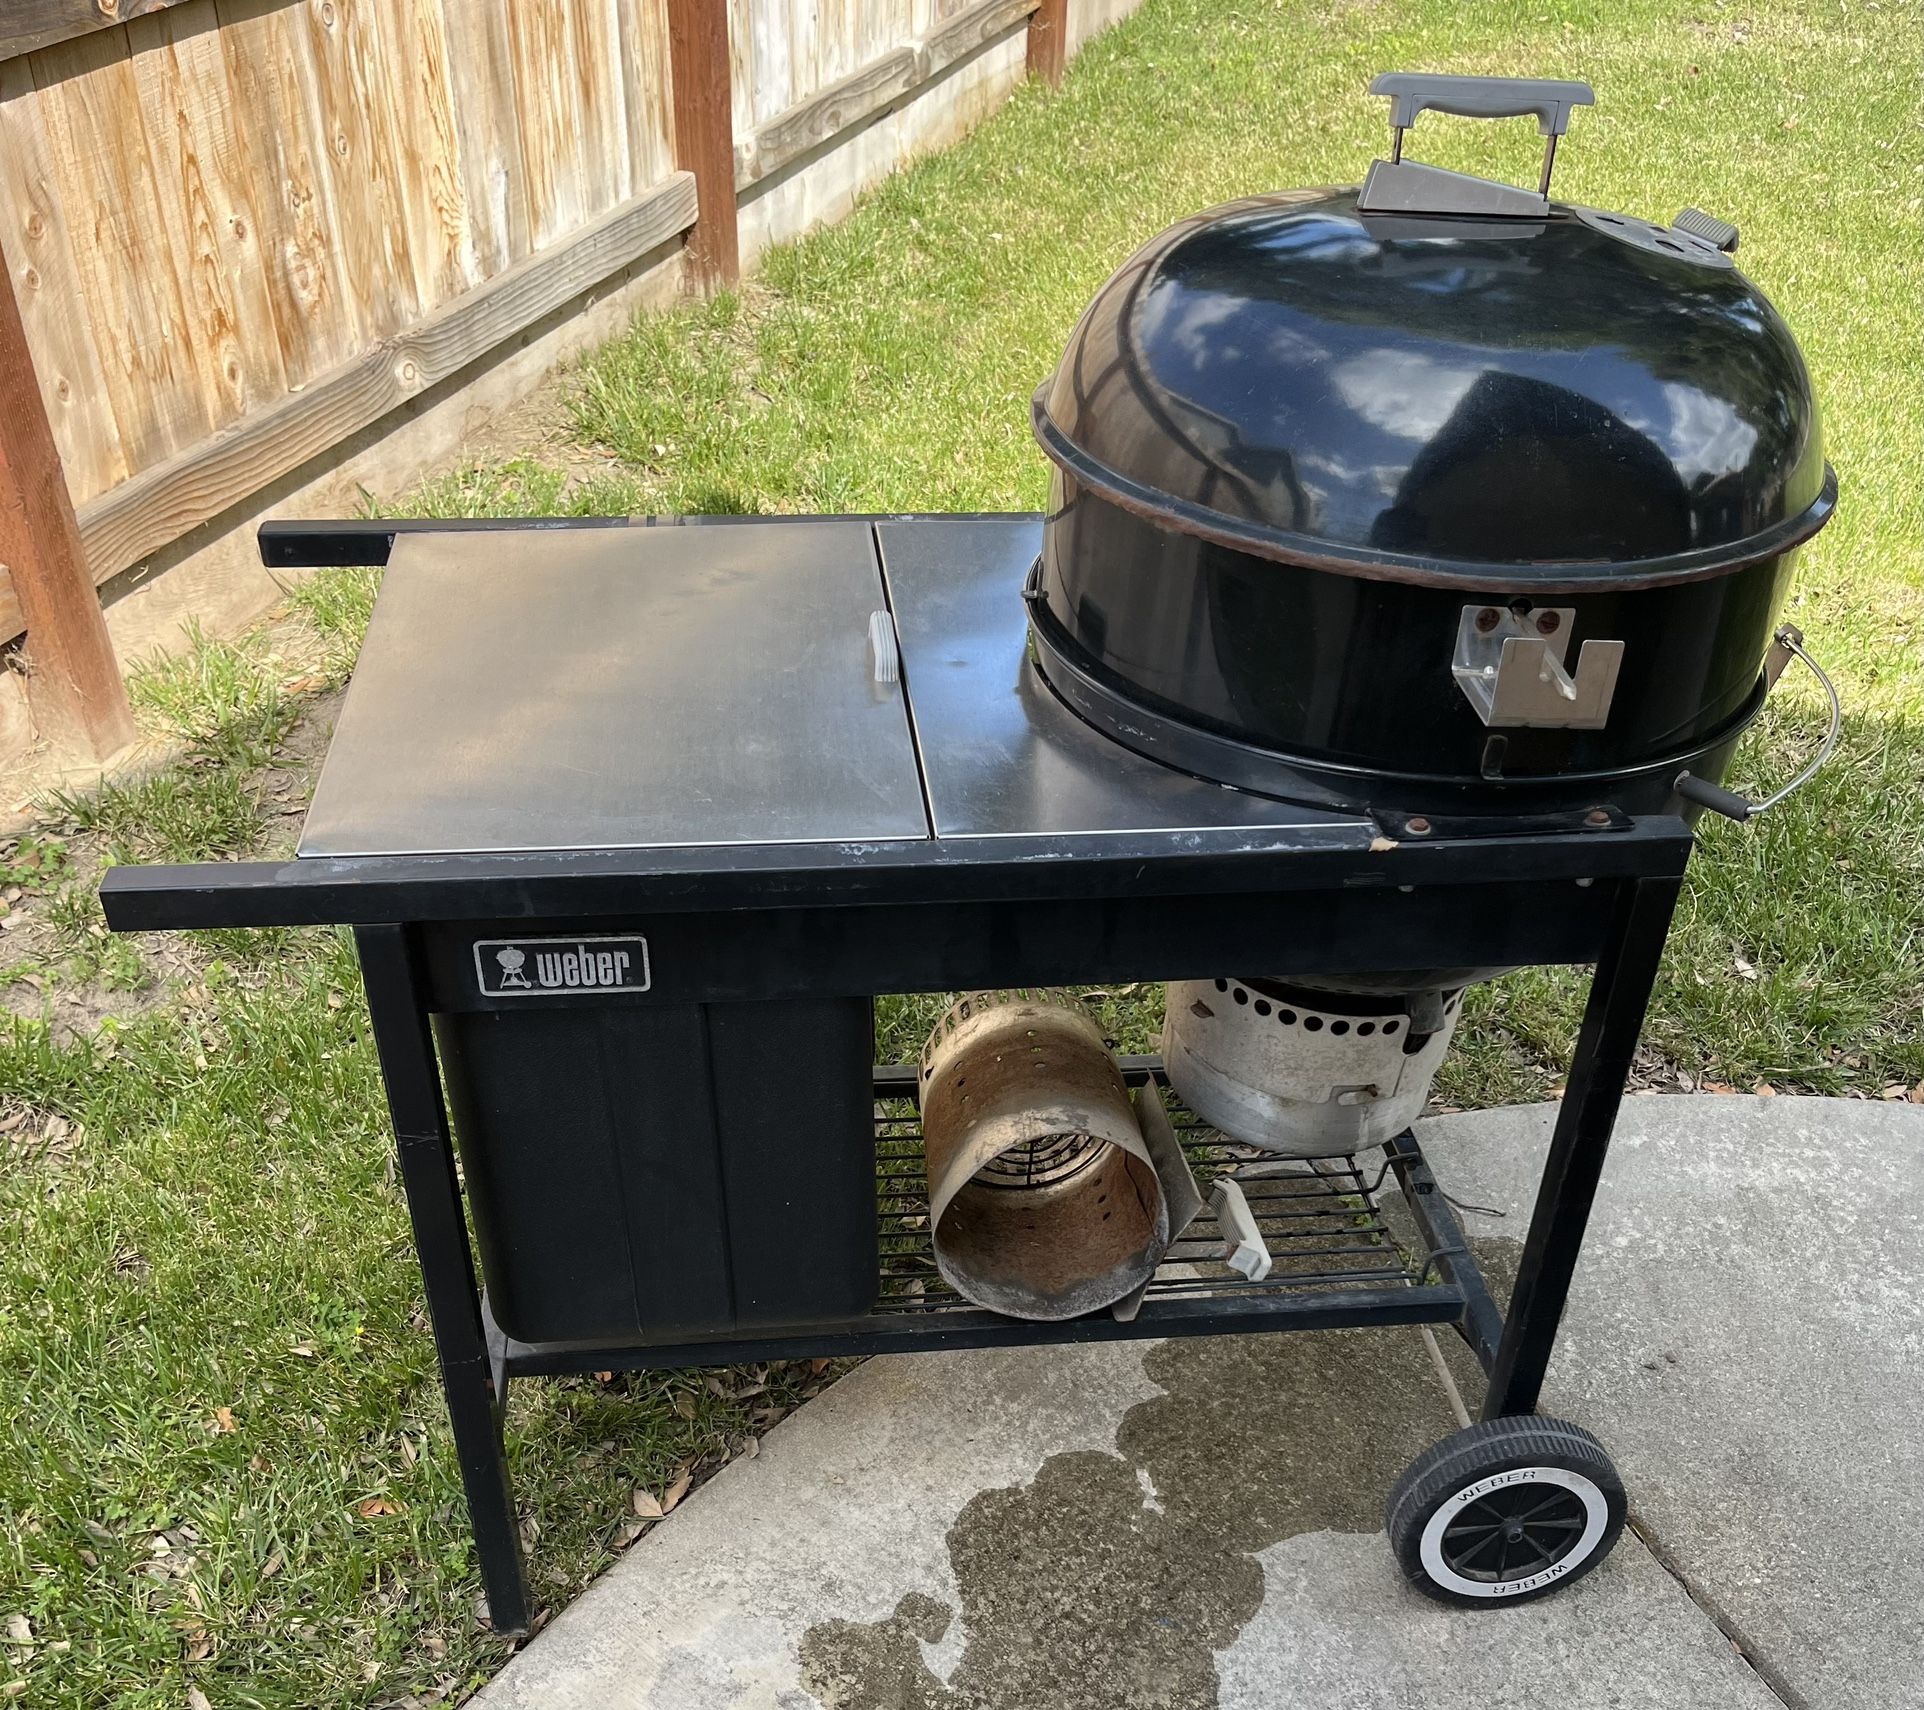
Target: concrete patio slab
[1747,1337]
[1336,1632]
[1198,1523]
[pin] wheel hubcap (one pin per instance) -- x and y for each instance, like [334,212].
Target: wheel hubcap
[1514,1532]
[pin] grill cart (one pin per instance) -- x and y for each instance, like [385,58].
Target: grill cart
[632,822]
[560,743]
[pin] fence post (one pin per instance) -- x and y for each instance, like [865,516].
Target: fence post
[78,701]
[1048,41]
[705,134]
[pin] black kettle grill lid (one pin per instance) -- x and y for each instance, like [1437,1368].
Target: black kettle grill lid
[1373,383]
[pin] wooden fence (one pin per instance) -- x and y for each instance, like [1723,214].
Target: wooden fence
[237,232]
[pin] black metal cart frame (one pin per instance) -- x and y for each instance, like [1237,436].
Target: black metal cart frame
[1188,899]
[900,922]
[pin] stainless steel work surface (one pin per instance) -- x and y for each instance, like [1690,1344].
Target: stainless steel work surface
[1001,756]
[620,688]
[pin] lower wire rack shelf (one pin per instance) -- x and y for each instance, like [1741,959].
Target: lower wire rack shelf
[1342,1259]
[1320,1217]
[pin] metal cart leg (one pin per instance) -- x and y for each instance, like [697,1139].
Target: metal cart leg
[397,1005]
[1612,1020]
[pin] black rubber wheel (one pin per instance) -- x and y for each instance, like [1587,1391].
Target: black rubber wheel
[1505,1511]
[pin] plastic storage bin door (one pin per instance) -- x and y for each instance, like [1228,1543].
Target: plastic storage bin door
[667,1172]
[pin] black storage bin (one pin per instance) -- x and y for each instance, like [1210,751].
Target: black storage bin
[667,1171]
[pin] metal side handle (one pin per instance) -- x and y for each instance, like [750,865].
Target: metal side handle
[1788,644]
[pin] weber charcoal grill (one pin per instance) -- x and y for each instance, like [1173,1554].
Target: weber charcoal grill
[1410,572]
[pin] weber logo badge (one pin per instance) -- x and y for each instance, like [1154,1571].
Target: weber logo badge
[536,967]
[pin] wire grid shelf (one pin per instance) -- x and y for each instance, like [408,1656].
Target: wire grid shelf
[1319,1216]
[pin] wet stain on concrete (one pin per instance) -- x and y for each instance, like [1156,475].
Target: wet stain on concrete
[1110,1581]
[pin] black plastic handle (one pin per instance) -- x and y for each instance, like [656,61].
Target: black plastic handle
[1548,99]
[1711,796]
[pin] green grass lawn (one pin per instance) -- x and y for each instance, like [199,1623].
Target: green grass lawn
[223,1463]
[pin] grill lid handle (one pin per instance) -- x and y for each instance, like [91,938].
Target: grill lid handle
[1398,187]
[1551,99]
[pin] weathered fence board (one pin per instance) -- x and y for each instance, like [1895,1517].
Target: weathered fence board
[162,503]
[432,188]
[222,201]
[359,117]
[954,31]
[277,120]
[771,40]
[213,231]
[962,26]
[812,121]
[648,99]
[41,250]
[570,95]
[741,65]
[548,110]
[602,92]
[488,136]
[123,261]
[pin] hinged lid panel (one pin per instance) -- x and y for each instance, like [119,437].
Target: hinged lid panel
[620,688]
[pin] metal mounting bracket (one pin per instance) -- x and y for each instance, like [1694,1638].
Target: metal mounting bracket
[1411,187]
[1510,667]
